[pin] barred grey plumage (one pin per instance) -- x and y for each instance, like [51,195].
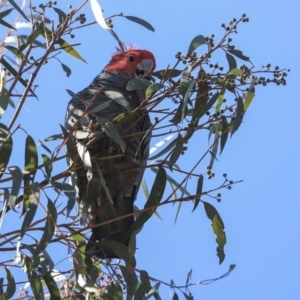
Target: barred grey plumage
[122,172]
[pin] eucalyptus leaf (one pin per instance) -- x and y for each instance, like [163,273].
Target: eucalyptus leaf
[141,22]
[224,135]
[36,285]
[168,73]
[11,286]
[153,88]
[5,153]
[177,150]
[16,184]
[239,54]
[239,114]
[249,97]
[138,84]
[231,61]
[20,11]
[119,98]
[51,285]
[218,229]
[112,131]
[61,14]
[49,227]
[199,191]
[196,42]
[31,156]
[154,199]
[69,49]
[66,69]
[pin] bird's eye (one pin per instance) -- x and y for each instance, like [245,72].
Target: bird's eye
[131,58]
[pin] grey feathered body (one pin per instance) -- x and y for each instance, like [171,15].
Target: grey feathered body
[123,172]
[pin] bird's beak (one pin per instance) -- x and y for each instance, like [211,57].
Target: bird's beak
[145,65]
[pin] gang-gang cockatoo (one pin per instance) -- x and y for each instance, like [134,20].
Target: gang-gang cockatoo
[122,171]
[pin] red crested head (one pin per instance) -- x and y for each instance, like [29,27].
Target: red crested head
[133,61]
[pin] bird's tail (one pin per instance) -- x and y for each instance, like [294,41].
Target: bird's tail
[123,206]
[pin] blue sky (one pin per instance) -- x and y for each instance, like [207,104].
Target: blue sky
[260,214]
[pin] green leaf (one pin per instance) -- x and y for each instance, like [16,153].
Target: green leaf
[13,72]
[121,117]
[78,263]
[17,52]
[220,100]
[209,104]
[153,88]
[5,152]
[218,229]
[231,61]
[239,54]
[199,191]
[20,11]
[48,165]
[101,106]
[177,118]
[114,291]
[138,84]
[52,287]
[166,74]
[55,137]
[31,156]
[154,199]
[34,35]
[61,15]
[36,285]
[70,141]
[188,297]
[174,182]
[187,97]
[112,131]
[30,212]
[5,13]
[153,290]
[66,69]
[119,98]
[131,280]
[224,135]
[70,192]
[6,24]
[234,73]
[201,99]
[196,42]
[214,150]
[144,277]
[188,277]
[4,132]
[49,227]
[11,286]
[238,115]
[141,22]
[1,287]
[175,296]
[185,80]
[118,248]
[249,97]
[69,49]
[141,292]
[16,184]
[177,150]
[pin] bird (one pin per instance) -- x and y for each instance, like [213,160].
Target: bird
[108,187]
